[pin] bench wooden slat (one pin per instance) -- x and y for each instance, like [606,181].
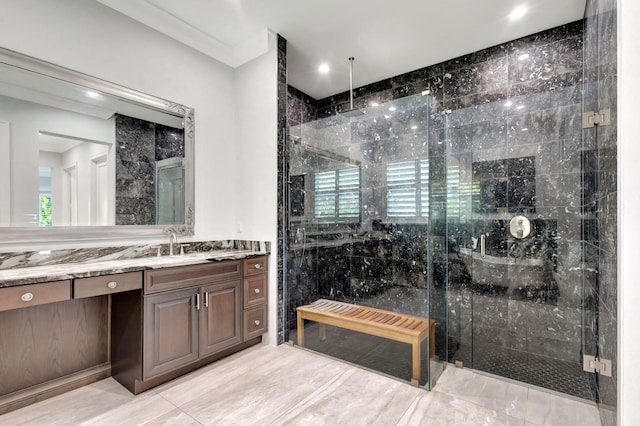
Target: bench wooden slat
[378,322]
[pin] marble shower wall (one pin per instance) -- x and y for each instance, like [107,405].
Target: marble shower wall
[139,144]
[600,197]
[283,193]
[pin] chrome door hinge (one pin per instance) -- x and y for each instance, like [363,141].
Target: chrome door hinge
[592,364]
[596,118]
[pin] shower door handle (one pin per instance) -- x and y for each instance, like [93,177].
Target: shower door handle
[483,245]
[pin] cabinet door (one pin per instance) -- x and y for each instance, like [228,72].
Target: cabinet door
[170,331]
[220,317]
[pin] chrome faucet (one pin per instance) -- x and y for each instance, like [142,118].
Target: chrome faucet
[173,239]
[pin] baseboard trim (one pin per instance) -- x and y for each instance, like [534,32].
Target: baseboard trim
[37,393]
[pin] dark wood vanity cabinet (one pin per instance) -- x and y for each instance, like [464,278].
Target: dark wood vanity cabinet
[142,328]
[220,317]
[170,331]
[191,316]
[183,326]
[255,297]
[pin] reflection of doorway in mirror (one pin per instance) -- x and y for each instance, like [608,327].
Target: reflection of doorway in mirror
[45,202]
[70,201]
[100,190]
[170,191]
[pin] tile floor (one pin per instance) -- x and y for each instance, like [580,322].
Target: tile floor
[284,385]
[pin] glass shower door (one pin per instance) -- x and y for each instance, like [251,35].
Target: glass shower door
[359,230]
[514,224]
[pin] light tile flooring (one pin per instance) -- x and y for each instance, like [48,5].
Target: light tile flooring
[284,385]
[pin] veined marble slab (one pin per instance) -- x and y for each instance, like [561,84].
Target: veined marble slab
[22,268]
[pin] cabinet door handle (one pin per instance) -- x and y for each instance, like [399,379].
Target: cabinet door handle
[257,290]
[198,301]
[27,297]
[206,299]
[257,266]
[112,284]
[257,322]
[483,247]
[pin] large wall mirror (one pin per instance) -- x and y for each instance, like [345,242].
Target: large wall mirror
[86,159]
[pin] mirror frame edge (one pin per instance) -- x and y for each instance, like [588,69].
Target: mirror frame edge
[12,236]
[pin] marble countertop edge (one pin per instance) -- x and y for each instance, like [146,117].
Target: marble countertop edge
[68,271]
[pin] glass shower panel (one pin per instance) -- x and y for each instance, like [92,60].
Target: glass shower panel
[359,229]
[514,228]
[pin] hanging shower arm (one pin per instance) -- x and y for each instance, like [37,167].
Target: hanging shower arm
[351,59]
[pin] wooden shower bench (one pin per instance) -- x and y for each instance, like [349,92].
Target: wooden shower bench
[377,322]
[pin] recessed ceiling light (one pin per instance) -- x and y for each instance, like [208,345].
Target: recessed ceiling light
[414,127]
[93,95]
[324,68]
[517,13]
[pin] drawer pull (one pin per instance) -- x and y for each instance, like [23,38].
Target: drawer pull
[257,322]
[112,284]
[257,290]
[27,297]
[257,266]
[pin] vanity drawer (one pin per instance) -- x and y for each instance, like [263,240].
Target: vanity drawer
[255,322]
[106,284]
[255,265]
[255,290]
[34,294]
[188,276]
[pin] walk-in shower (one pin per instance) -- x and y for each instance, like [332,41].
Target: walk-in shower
[466,192]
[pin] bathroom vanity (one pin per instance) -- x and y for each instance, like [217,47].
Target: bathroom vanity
[143,321]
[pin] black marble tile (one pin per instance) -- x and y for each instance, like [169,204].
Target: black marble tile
[521,194]
[542,38]
[545,126]
[169,142]
[538,64]
[490,76]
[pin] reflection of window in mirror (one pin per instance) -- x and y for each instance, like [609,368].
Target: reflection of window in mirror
[45,201]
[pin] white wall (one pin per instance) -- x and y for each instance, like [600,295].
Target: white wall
[88,37]
[629,212]
[256,93]
[5,172]
[235,139]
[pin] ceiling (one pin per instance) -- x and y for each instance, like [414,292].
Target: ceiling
[387,38]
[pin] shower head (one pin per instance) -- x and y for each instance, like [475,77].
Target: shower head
[351,112]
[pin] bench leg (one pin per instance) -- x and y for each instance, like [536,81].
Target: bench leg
[415,379]
[432,342]
[300,330]
[323,331]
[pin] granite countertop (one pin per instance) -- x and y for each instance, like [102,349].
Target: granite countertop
[93,268]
